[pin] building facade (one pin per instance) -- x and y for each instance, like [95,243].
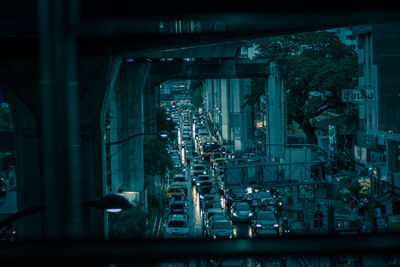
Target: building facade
[378,141]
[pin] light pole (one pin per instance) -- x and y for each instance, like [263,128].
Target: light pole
[162,134]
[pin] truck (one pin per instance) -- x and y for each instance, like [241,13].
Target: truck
[208,148]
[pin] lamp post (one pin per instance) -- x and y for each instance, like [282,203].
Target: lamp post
[162,134]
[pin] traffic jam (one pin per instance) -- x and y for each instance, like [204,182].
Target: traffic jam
[199,201]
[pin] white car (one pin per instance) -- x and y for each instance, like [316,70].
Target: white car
[177,226]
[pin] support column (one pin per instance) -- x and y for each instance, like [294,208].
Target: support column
[129,98]
[29,181]
[225,109]
[19,82]
[114,157]
[153,185]
[235,118]
[275,112]
[97,78]
[245,115]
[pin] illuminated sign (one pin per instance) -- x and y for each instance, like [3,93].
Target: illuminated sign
[358,95]
[260,124]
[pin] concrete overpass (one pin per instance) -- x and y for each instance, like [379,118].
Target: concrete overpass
[61,60]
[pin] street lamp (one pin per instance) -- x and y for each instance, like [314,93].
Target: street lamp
[162,134]
[110,203]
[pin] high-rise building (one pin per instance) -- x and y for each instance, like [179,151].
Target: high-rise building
[379,117]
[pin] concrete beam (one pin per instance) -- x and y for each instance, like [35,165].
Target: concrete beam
[205,69]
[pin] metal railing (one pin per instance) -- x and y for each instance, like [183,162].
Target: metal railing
[153,251]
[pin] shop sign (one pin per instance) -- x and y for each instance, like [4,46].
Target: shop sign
[358,95]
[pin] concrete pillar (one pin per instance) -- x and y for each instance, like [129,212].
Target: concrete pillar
[209,96]
[275,112]
[28,172]
[114,157]
[225,95]
[150,126]
[235,117]
[150,108]
[19,82]
[245,115]
[129,100]
[97,78]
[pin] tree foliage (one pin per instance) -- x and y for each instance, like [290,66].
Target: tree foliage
[6,121]
[155,154]
[128,224]
[195,93]
[318,67]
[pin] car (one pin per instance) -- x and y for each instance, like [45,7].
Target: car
[209,204]
[218,163]
[198,167]
[178,197]
[173,189]
[264,223]
[198,161]
[177,207]
[179,178]
[203,132]
[221,229]
[205,192]
[183,185]
[201,178]
[241,211]
[203,184]
[234,194]
[261,197]
[177,226]
[211,213]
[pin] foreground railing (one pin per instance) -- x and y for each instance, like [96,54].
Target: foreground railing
[151,251]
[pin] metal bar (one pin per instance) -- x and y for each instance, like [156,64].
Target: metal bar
[129,138]
[60,119]
[148,251]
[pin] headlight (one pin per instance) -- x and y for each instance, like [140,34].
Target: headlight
[258,225]
[201,196]
[198,184]
[214,236]
[231,236]
[250,214]
[234,214]
[276,225]
[205,172]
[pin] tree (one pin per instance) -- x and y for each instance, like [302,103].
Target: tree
[156,157]
[318,67]
[195,93]
[128,224]
[155,154]
[6,121]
